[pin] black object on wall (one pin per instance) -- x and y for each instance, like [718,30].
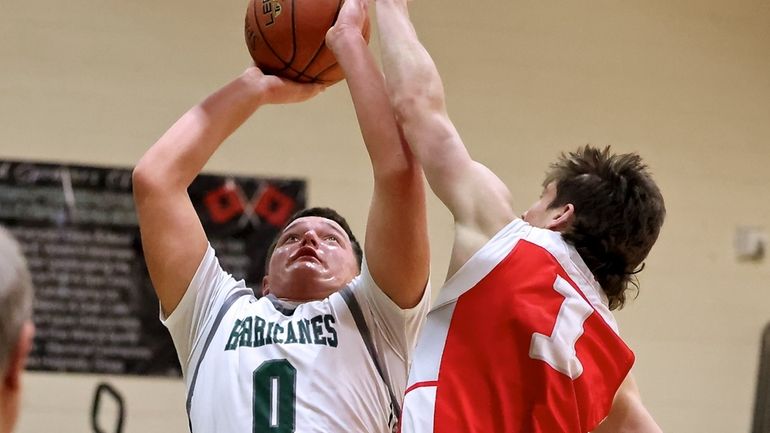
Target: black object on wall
[102,390]
[95,309]
[762,402]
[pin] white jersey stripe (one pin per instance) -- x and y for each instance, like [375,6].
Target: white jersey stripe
[363,330]
[416,416]
[222,311]
[430,346]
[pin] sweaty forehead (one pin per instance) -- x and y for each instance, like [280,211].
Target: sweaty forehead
[315,223]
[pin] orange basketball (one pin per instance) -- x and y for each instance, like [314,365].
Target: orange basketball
[286,38]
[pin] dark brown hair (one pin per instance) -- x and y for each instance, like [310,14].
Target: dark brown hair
[323,212]
[619,211]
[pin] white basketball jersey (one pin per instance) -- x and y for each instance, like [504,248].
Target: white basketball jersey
[260,365]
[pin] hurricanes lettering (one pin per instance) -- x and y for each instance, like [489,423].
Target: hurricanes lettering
[254,331]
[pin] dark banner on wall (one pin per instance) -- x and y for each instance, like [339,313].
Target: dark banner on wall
[95,309]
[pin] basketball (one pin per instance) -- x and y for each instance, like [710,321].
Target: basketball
[287,38]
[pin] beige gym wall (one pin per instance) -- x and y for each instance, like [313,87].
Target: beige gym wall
[687,84]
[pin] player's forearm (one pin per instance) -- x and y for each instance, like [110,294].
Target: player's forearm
[413,81]
[389,155]
[399,264]
[417,94]
[180,154]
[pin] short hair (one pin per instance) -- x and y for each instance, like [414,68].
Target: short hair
[15,295]
[323,212]
[619,211]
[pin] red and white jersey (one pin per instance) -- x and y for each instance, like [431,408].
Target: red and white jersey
[520,340]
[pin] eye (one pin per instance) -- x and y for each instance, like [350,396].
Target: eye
[290,238]
[331,238]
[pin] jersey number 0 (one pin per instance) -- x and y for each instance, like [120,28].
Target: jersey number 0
[274,397]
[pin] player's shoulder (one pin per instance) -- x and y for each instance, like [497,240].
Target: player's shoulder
[563,252]
[552,244]
[521,244]
[471,244]
[571,264]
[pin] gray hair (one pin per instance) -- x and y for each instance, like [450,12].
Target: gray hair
[15,295]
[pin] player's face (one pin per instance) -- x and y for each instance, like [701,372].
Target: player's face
[540,215]
[313,258]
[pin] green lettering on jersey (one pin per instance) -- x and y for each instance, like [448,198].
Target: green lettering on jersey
[246,332]
[277,330]
[269,333]
[329,324]
[274,378]
[259,331]
[318,337]
[235,334]
[304,332]
[291,337]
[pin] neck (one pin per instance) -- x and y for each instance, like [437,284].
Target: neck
[291,300]
[299,297]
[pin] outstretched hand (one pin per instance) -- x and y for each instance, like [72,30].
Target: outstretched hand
[277,90]
[352,18]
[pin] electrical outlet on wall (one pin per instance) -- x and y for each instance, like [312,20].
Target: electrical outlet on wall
[750,243]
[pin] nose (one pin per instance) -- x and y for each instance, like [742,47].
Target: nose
[310,238]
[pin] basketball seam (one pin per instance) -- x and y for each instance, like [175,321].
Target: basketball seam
[300,74]
[287,65]
[267,43]
[315,77]
[323,42]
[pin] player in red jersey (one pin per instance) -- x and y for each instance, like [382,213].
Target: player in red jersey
[521,338]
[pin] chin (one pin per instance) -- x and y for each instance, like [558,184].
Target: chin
[305,286]
[307,294]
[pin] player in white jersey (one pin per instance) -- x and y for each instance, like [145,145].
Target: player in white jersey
[502,349]
[327,348]
[300,363]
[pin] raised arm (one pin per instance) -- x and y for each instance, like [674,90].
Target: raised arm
[477,198]
[396,233]
[172,236]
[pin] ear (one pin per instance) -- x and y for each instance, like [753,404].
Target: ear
[12,379]
[561,218]
[265,285]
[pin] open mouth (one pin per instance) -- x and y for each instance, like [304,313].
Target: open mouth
[305,253]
